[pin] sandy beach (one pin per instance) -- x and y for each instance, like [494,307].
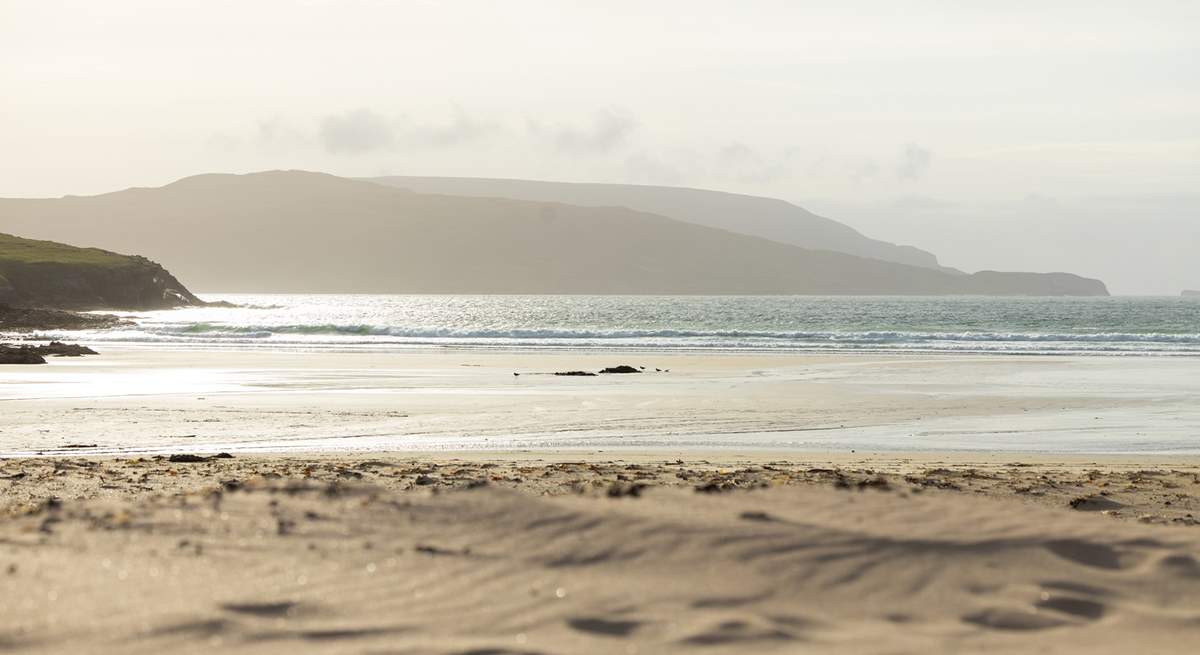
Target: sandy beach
[138,401]
[567,554]
[580,328]
[434,502]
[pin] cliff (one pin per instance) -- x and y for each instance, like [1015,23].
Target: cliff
[49,274]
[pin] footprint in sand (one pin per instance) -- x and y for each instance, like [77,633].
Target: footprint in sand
[194,629]
[1071,610]
[495,651]
[720,602]
[1080,607]
[1181,564]
[264,610]
[734,632]
[1087,553]
[12,642]
[1006,619]
[289,609]
[1076,587]
[606,627]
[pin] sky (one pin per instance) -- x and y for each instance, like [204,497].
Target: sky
[1051,135]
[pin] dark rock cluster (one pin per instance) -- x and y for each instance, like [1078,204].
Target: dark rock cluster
[26,354]
[18,319]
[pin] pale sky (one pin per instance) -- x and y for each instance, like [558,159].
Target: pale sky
[1052,135]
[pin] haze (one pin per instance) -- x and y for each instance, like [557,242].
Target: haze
[1056,136]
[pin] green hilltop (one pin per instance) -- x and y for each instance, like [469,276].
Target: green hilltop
[31,251]
[56,275]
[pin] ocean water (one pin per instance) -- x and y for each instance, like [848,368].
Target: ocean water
[1129,326]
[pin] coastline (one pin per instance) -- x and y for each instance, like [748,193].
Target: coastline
[141,401]
[189,500]
[1131,326]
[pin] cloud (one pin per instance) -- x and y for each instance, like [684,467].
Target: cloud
[1040,201]
[362,131]
[914,162]
[608,130]
[861,172]
[738,153]
[275,133]
[461,129]
[740,162]
[356,132]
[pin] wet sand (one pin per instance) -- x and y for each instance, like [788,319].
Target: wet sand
[145,401]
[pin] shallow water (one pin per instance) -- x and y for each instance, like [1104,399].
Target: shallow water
[1163,326]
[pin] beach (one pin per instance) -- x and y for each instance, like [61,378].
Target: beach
[570,328]
[431,501]
[156,399]
[550,553]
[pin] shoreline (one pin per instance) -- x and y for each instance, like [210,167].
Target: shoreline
[433,502]
[1037,326]
[541,348]
[154,400]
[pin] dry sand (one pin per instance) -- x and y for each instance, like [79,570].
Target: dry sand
[387,553]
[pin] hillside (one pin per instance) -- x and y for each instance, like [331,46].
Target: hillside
[768,218]
[49,274]
[291,231]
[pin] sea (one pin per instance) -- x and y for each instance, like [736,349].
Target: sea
[1109,326]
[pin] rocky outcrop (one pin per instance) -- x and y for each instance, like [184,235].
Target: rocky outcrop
[26,354]
[141,285]
[20,319]
[60,349]
[49,274]
[623,368]
[20,355]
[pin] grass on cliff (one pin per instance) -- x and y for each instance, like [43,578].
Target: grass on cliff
[29,251]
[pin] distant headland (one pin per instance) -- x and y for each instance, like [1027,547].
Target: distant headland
[304,232]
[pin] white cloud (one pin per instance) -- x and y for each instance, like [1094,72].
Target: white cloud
[607,130]
[913,162]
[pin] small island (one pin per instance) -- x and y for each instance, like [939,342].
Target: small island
[1190,293]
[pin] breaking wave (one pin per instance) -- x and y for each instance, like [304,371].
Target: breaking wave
[1027,326]
[871,340]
